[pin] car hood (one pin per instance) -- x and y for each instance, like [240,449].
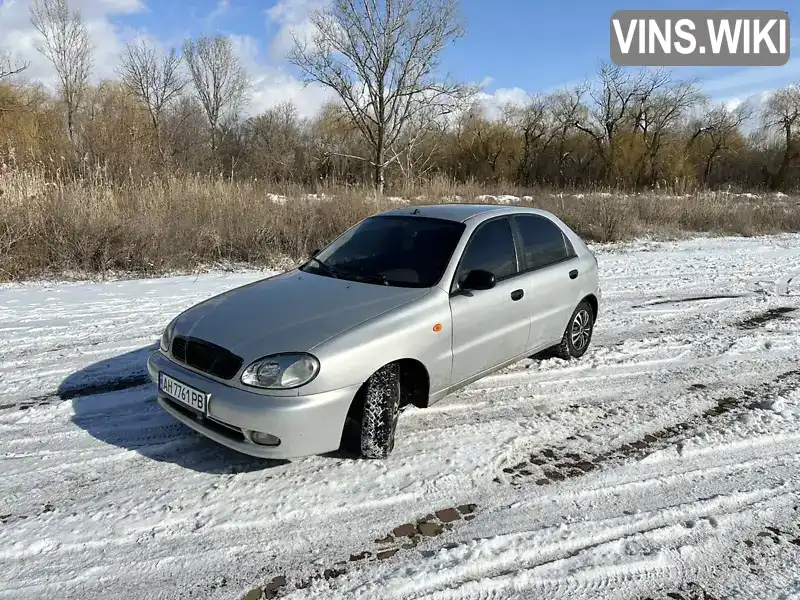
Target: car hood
[292,312]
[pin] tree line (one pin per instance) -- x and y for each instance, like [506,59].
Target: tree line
[397,119]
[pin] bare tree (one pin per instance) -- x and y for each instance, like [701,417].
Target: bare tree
[618,99]
[9,66]
[659,116]
[719,126]
[381,57]
[156,79]
[532,123]
[568,109]
[219,79]
[67,45]
[782,114]
[420,145]
[486,145]
[543,124]
[185,126]
[18,99]
[272,139]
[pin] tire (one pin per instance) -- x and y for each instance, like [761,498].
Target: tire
[578,334]
[381,411]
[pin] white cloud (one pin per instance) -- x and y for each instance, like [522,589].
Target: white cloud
[513,95]
[494,102]
[291,17]
[273,84]
[272,81]
[18,36]
[752,80]
[220,10]
[751,87]
[732,103]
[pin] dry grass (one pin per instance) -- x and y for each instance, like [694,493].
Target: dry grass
[153,226]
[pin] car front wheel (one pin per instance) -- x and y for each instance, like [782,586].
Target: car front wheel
[381,412]
[578,334]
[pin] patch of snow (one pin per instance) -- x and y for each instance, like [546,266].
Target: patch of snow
[277,198]
[102,494]
[502,199]
[281,199]
[316,197]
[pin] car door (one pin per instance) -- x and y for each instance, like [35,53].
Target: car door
[489,326]
[550,276]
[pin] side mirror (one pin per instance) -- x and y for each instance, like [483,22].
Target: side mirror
[479,279]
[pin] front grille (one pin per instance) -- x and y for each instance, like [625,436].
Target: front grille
[206,357]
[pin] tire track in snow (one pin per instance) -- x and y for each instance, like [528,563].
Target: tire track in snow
[531,560]
[90,389]
[753,551]
[179,534]
[578,466]
[557,464]
[406,538]
[773,314]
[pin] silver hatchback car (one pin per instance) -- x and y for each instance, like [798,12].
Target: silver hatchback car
[402,309]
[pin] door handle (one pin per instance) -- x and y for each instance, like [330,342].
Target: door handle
[517,295]
[573,274]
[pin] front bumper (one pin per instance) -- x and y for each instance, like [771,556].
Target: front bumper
[305,425]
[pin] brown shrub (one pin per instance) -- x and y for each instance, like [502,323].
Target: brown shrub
[88,226]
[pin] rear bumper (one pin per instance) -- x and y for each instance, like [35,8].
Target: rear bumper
[305,425]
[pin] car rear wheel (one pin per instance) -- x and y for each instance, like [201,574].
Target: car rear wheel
[578,334]
[381,412]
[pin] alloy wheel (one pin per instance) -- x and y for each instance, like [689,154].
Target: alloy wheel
[581,330]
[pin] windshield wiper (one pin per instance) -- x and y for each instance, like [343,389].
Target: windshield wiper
[365,275]
[326,267]
[359,274]
[374,277]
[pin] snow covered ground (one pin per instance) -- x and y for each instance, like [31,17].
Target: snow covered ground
[662,465]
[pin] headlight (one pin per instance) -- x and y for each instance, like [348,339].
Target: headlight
[166,337]
[281,371]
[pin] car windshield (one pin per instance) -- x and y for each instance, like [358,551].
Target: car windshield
[395,250]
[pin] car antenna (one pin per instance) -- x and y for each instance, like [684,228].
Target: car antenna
[415,211]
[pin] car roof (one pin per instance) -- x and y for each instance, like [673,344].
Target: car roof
[460,212]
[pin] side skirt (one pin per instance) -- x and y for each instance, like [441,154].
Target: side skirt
[434,398]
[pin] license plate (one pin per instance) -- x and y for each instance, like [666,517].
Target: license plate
[183,393]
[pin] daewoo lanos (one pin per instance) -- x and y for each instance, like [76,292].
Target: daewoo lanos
[404,308]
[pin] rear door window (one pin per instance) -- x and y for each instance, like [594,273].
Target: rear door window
[543,242]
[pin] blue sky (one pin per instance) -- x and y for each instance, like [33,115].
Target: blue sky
[540,45]
[513,46]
